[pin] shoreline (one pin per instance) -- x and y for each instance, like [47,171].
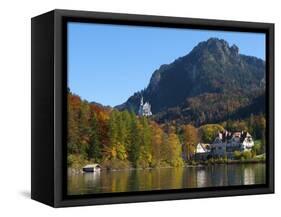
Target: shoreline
[187,165]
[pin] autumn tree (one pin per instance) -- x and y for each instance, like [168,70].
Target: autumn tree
[165,150]
[94,147]
[175,157]
[118,138]
[190,139]
[84,127]
[157,141]
[110,150]
[73,111]
[145,145]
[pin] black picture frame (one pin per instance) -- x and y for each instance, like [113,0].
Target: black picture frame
[49,106]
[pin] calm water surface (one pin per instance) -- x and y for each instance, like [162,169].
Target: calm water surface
[166,178]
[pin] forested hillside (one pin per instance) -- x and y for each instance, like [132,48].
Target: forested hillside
[120,139]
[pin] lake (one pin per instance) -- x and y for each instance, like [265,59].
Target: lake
[166,178]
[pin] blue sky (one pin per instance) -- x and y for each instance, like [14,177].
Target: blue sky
[108,63]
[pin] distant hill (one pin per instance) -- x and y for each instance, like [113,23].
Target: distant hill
[100,105]
[211,83]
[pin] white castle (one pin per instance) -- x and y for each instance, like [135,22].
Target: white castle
[145,108]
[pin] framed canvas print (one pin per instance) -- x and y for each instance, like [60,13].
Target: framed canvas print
[134,108]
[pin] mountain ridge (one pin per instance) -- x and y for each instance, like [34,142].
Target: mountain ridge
[212,67]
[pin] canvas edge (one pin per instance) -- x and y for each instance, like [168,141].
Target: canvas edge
[59,201]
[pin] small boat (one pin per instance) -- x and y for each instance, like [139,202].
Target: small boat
[90,168]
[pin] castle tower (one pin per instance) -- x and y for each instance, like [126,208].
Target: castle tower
[144,109]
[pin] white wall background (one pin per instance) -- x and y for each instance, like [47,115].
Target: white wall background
[15,106]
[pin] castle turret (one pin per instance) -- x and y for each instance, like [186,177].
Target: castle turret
[145,108]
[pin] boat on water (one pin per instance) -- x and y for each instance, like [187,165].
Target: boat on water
[90,168]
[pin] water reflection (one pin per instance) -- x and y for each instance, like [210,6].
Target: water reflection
[166,178]
[201,178]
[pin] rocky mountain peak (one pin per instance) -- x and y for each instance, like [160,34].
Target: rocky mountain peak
[218,48]
[212,67]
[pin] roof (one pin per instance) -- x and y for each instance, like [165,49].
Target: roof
[225,136]
[205,147]
[91,166]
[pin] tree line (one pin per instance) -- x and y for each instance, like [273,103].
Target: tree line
[120,139]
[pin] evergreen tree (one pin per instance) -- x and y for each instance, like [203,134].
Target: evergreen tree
[127,122]
[135,140]
[94,149]
[111,148]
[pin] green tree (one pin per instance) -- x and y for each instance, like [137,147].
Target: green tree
[127,124]
[94,148]
[121,137]
[135,140]
[251,123]
[145,157]
[111,148]
[237,126]
[209,132]
[260,131]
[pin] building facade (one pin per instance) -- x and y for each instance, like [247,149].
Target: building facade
[202,151]
[225,144]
